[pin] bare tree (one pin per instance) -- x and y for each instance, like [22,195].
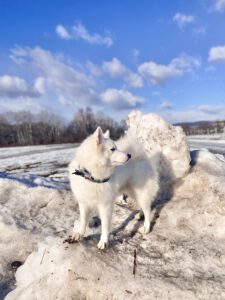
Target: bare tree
[25,128]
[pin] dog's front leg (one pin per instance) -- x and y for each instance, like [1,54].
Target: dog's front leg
[84,212]
[105,213]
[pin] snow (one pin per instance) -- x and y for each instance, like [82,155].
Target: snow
[215,146]
[160,138]
[28,214]
[164,143]
[219,136]
[37,160]
[182,258]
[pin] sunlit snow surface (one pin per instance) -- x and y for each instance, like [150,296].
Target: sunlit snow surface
[37,165]
[215,145]
[30,212]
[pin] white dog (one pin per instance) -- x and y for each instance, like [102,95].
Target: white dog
[100,172]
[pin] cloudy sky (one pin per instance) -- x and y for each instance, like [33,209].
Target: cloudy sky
[158,56]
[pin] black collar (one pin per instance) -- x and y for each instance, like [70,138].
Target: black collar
[87,175]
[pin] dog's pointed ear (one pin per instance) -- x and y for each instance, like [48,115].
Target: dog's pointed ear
[98,134]
[107,134]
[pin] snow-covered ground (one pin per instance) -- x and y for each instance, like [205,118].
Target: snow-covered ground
[50,160]
[218,136]
[25,173]
[213,145]
[37,165]
[182,258]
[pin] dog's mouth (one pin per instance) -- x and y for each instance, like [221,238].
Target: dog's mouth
[118,163]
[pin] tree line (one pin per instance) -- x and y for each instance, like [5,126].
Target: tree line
[203,127]
[24,128]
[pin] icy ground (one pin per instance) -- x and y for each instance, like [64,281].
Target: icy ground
[182,258]
[213,145]
[37,165]
[51,160]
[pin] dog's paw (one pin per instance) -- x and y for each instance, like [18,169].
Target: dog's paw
[144,230]
[139,216]
[76,236]
[102,245]
[73,238]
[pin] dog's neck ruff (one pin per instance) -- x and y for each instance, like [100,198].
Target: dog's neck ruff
[87,175]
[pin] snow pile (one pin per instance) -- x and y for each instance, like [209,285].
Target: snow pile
[182,258]
[157,137]
[199,203]
[27,215]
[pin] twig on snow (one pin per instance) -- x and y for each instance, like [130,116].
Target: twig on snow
[135,262]
[43,256]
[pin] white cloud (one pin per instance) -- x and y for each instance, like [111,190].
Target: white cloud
[199,31]
[58,77]
[20,104]
[209,109]
[61,80]
[166,105]
[196,113]
[80,32]
[39,85]
[62,32]
[14,87]
[219,5]
[116,69]
[183,20]
[217,53]
[121,99]
[93,68]
[159,74]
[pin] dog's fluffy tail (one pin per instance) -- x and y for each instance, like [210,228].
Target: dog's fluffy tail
[130,144]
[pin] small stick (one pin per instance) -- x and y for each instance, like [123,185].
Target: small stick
[135,262]
[43,256]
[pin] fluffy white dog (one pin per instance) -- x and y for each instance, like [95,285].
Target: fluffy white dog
[103,169]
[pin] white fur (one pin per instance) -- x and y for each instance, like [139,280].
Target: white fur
[136,177]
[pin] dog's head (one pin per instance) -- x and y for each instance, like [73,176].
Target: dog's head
[107,149]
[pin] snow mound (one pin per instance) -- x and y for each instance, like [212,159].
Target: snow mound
[182,258]
[27,215]
[157,137]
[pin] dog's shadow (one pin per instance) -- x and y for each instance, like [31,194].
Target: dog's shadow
[119,235]
[116,236]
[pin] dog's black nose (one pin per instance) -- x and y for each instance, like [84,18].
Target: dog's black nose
[128,156]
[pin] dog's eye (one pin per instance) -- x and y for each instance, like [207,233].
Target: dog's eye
[113,149]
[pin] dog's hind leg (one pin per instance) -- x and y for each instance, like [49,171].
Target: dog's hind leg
[145,205]
[84,213]
[145,229]
[139,216]
[105,216]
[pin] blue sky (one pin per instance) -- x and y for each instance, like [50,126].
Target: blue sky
[158,56]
